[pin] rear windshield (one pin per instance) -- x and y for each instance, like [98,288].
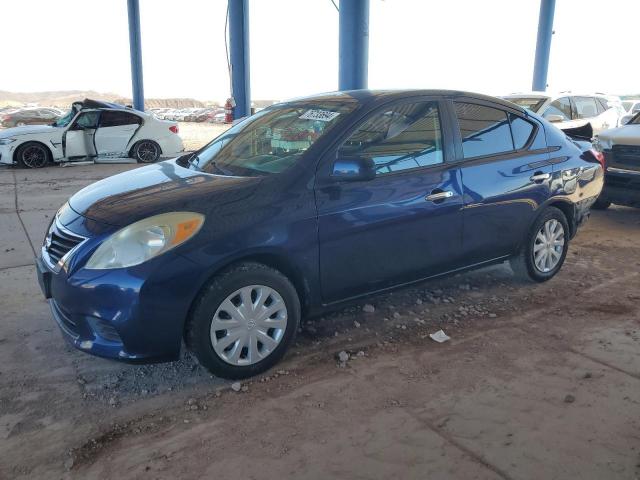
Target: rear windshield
[529,103]
[270,141]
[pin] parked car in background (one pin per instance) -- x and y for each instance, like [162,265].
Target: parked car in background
[578,115]
[621,148]
[91,130]
[29,116]
[632,105]
[631,108]
[219,117]
[302,207]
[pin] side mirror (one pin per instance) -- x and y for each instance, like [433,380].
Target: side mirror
[553,118]
[353,169]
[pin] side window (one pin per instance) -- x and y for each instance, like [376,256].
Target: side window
[399,138]
[521,131]
[116,118]
[585,107]
[602,105]
[87,120]
[561,106]
[484,130]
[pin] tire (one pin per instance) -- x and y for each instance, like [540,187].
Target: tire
[601,204]
[524,264]
[32,155]
[20,124]
[225,292]
[146,151]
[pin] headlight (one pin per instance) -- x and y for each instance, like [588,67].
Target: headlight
[145,239]
[6,141]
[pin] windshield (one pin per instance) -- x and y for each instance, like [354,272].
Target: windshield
[270,141]
[64,120]
[635,120]
[529,103]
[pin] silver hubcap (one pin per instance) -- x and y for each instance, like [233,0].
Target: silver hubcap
[548,246]
[248,325]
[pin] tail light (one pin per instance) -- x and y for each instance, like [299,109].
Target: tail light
[174,128]
[599,156]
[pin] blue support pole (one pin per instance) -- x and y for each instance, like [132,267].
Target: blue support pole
[135,52]
[239,56]
[354,44]
[543,45]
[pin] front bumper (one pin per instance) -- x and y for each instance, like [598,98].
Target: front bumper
[622,187]
[133,314]
[6,154]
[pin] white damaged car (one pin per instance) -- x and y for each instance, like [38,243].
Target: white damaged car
[91,130]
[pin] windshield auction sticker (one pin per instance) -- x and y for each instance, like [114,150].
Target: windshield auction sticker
[322,115]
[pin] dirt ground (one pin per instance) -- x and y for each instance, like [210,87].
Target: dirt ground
[537,381]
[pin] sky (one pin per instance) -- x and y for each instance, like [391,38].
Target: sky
[485,46]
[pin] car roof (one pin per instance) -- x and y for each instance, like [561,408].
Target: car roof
[376,96]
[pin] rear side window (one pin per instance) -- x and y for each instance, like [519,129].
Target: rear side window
[585,107]
[484,130]
[561,106]
[116,118]
[521,131]
[399,138]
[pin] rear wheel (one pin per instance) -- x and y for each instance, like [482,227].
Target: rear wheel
[32,155]
[601,204]
[146,151]
[244,321]
[545,247]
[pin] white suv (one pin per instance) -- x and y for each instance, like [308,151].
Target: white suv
[583,115]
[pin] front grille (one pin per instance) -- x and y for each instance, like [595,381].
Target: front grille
[628,155]
[59,242]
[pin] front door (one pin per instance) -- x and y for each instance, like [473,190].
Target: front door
[403,225]
[78,139]
[114,133]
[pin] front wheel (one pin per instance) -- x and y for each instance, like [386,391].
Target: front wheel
[545,247]
[32,155]
[244,321]
[146,151]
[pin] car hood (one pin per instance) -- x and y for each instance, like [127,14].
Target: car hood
[163,187]
[626,135]
[27,130]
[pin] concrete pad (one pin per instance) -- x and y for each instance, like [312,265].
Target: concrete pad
[525,427]
[7,198]
[36,223]
[46,195]
[618,346]
[14,249]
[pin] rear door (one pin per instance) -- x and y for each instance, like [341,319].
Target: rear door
[114,132]
[506,174]
[406,222]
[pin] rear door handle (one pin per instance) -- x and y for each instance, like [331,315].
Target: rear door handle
[434,197]
[540,177]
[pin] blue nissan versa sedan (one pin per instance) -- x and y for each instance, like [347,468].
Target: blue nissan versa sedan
[301,207]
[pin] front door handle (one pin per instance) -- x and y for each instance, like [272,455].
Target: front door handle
[434,197]
[540,177]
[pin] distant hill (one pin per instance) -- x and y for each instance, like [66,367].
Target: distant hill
[64,98]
